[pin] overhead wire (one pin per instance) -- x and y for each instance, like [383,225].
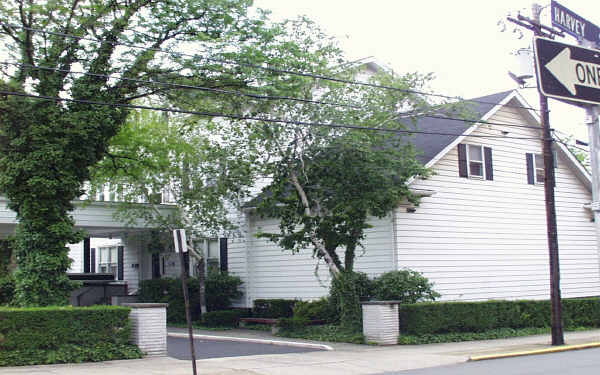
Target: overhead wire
[266,68]
[256,96]
[253,118]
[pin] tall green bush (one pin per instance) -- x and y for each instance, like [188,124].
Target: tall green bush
[347,290]
[406,286]
[64,334]
[221,289]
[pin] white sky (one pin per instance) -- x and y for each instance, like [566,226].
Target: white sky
[458,40]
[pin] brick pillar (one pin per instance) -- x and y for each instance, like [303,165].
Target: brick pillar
[381,322]
[149,327]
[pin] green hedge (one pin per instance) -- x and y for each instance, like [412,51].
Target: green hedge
[224,318]
[64,334]
[221,288]
[273,308]
[451,317]
[321,309]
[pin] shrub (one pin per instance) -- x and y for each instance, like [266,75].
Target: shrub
[406,286]
[273,308]
[347,290]
[453,317]
[221,288]
[224,318]
[64,334]
[292,323]
[321,309]
[7,289]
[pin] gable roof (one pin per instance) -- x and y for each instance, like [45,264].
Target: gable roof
[434,147]
[431,145]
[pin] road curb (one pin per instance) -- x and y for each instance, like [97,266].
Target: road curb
[533,352]
[254,341]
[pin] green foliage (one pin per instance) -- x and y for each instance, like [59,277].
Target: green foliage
[453,317]
[221,289]
[223,318]
[293,324]
[7,289]
[6,256]
[329,332]
[497,333]
[170,291]
[321,309]
[47,147]
[405,286]
[273,308]
[347,290]
[64,334]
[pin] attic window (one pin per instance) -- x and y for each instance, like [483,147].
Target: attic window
[475,161]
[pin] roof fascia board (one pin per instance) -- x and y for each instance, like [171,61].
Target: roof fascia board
[587,178]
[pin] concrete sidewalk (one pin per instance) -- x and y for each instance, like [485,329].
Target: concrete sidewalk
[346,359]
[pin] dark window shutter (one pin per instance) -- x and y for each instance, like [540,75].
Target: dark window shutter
[530,169]
[462,161]
[120,260]
[92,260]
[186,263]
[223,254]
[489,170]
[86,255]
[555,156]
[156,266]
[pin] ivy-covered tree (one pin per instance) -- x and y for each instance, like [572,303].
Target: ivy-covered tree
[87,51]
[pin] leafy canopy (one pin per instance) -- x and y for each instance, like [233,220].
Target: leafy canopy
[82,50]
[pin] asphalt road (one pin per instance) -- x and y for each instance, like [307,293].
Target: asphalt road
[180,348]
[577,362]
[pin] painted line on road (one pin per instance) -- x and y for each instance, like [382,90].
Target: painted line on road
[254,341]
[533,352]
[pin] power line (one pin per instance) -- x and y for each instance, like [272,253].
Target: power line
[251,118]
[266,68]
[255,96]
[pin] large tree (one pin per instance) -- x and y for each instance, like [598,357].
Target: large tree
[85,51]
[328,179]
[180,158]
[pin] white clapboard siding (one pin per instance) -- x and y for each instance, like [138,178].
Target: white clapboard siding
[478,239]
[270,272]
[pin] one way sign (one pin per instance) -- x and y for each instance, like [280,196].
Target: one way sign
[568,72]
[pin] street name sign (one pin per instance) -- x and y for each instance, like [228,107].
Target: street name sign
[573,24]
[567,72]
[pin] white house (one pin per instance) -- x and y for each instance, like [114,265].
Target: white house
[480,230]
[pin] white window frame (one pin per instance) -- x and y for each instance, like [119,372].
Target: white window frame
[112,264]
[535,168]
[483,171]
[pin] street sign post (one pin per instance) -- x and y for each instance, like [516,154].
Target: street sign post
[567,72]
[573,24]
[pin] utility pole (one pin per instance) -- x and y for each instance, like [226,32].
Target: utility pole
[535,25]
